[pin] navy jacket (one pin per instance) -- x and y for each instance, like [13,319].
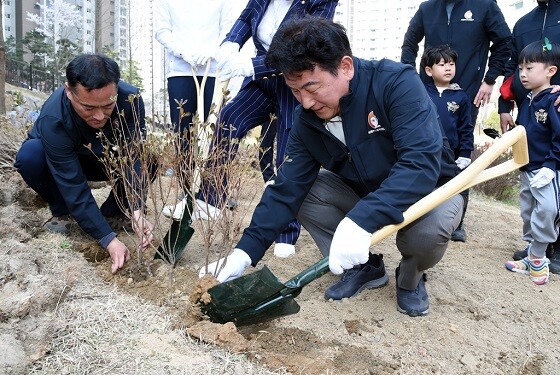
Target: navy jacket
[542,21]
[454,110]
[394,154]
[65,136]
[473,25]
[542,122]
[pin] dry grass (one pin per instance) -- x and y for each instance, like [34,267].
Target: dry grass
[107,332]
[11,138]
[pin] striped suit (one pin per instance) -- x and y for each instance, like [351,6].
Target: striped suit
[266,92]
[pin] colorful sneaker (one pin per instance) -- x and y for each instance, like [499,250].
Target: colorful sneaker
[538,270]
[520,266]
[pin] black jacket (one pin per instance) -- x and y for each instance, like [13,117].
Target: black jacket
[454,110]
[394,154]
[472,27]
[65,135]
[542,21]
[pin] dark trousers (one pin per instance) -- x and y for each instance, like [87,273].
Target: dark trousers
[266,151]
[252,106]
[31,163]
[182,94]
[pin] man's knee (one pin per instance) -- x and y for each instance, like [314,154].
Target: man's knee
[30,159]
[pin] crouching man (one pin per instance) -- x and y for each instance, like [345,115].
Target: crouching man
[62,150]
[365,145]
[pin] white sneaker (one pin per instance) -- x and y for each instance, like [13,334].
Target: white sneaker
[284,250]
[202,210]
[205,211]
[175,211]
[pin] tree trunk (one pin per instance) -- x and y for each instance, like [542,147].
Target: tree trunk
[2,64]
[98,25]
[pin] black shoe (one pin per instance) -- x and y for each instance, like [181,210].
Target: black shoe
[521,254]
[459,235]
[370,275]
[231,204]
[413,302]
[554,265]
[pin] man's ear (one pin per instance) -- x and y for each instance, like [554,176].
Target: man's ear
[67,89]
[346,67]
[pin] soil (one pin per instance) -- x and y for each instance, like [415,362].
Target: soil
[483,319]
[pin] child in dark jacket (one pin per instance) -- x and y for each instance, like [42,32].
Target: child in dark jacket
[539,200]
[454,110]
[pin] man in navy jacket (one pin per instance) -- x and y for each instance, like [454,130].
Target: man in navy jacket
[472,28]
[62,150]
[365,145]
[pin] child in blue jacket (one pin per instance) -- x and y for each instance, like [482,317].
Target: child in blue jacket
[539,200]
[454,110]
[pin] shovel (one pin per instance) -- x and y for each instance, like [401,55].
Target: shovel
[180,232]
[261,296]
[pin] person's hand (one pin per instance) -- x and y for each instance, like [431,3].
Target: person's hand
[143,228]
[462,162]
[542,178]
[188,57]
[119,254]
[237,66]
[555,89]
[226,51]
[483,95]
[506,122]
[202,56]
[349,246]
[235,265]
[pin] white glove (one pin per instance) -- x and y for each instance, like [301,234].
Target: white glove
[226,52]
[462,162]
[542,178]
[235,265]
[188,57]
[237,66]
[202,56]
[349,246]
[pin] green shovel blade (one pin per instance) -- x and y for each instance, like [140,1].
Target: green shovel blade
[259,296]
[176,238]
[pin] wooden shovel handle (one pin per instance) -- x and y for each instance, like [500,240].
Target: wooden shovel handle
[472,175]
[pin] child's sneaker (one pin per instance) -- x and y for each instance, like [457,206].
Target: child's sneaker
[521,266]
[538,270]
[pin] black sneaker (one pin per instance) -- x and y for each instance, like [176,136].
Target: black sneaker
[413,302]
[370,275]
[459,235]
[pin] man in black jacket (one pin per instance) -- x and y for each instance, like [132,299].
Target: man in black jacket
[472,28]
[62,150]
[365,145]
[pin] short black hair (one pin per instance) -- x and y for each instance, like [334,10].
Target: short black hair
[434,55]
[541,52]
[301,44]
[92,71]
